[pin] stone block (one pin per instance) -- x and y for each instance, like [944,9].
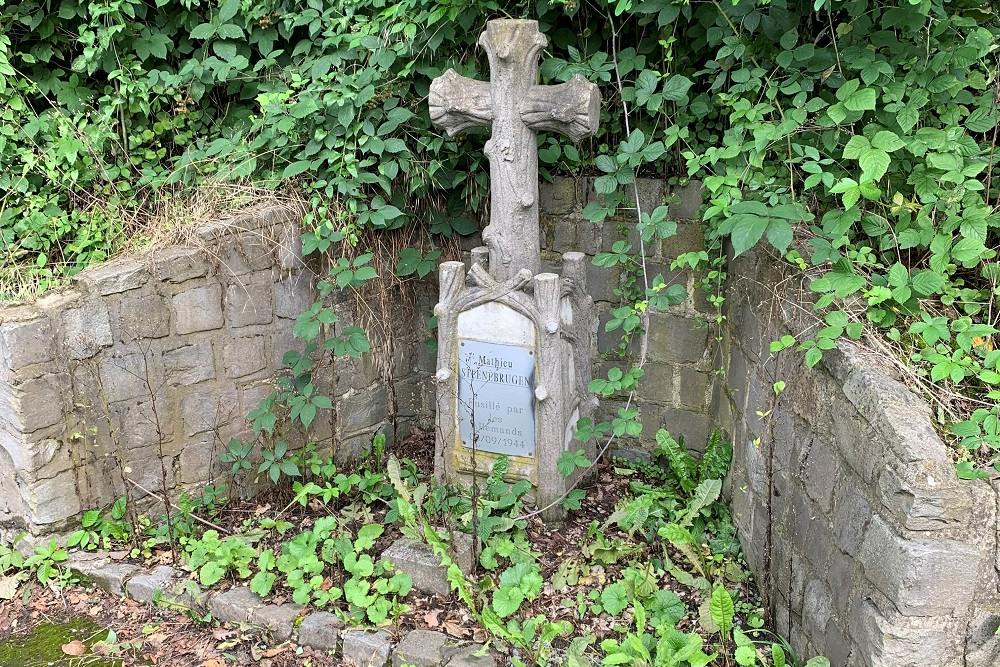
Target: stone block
[687,202]
[115,277]
[658,384]
[677,339]
[112,577]
[695,427]
[197,459]
[189,364]
[144,587]
[602,282]
[26,342]
[687,239]
[249,303]
[321,630]
[817,608]
[851,515]
[204,411]
[557,197]
[841,577]
[293,295]
[418,560]
[177,265]
[244,356]
[124,377]
[142,317]
[822,472]
[87,330]
[290,248]
[921,577]
[361,411]
[366,649]
[37,403]
[419,648]
[278,620]
[693,386]
[242,253]
[198,309]
[137,424]
[652,193]
[237,605]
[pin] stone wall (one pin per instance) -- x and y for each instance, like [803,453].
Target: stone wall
[869,549]
[145,367]
[676,391]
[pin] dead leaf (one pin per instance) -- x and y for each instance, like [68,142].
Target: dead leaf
[213,662]
[222,633]
[431,618]
[277,650]
[454,629]
[8,587]
[75,648]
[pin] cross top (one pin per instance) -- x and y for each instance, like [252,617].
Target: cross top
[517,107]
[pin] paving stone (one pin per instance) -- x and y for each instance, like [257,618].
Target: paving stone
[418,560]
[279,620]
[366,649]
[198,309]
[469,655]
[420,648]
[321,630]
[236,605]
[112,576]
[143,587]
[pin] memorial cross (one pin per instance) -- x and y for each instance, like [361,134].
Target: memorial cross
[516,107]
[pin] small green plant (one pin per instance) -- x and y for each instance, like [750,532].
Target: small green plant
[45,563]
[99,530]
[213,558]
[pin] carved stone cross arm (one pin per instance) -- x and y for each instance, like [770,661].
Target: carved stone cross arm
[572,108]
[516,107]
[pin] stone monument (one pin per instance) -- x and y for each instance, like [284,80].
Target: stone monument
[513,342]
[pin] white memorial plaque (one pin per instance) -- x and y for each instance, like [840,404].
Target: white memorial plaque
[496,393]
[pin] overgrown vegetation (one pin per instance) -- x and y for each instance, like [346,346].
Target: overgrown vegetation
[656,581]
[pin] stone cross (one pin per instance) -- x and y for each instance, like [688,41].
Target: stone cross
[517,107]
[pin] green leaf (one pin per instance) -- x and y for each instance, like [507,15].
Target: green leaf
[722,609]
[746,231]
[874,163]
[676,88]
[927,282]
[211,573]
[228,10]
[861,100]
[507,600]
[614,598]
